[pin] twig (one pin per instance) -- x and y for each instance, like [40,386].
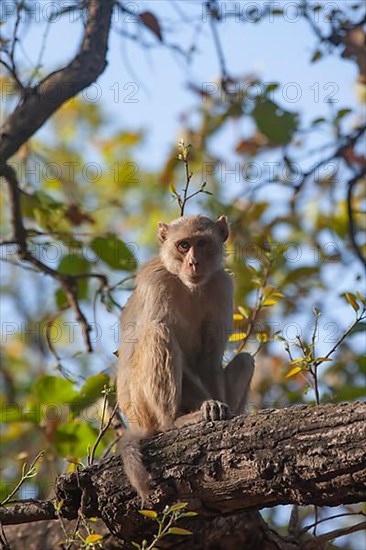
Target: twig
[26,474]
[182,200]
[103,428]
[67,282]
[257,308]
[218,47]
[345,514]
[340,532]
[359,318]
[351,220]
[346,141]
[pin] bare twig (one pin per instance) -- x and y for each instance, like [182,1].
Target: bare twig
[103,427]
[183,198]
[339,533]
[351,221]
[345,143]
[67,282]
[27,473]
[329,518]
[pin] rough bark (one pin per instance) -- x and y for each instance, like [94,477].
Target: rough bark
[39,103]
[227,470]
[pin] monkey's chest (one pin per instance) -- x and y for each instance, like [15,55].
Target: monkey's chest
[189,331]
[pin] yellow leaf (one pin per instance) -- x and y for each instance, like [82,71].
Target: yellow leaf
[262,337]
[322,359]
[149,513]
[297,361]
[352,300]
[237,337]
[238,317]
[361,298]
[293,371]
[244,311]
[269,302]
[90,539]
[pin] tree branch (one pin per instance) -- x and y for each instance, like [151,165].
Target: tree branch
[67,282]
[351,221]
[26,512]
[300,455]
[41,101]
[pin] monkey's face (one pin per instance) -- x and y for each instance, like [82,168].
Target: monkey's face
[192,248]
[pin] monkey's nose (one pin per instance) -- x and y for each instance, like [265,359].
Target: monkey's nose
[193,264]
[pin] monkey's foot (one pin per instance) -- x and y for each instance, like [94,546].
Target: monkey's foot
[215,410]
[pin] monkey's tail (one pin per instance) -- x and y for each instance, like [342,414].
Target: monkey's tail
[133,466]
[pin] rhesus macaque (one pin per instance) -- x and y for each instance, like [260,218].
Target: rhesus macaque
[174,331]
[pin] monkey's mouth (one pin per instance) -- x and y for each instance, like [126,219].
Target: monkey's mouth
[196,279]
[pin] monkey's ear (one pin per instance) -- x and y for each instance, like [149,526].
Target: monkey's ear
[223,227]
[162,231]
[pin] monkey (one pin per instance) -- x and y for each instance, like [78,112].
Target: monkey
[174,330]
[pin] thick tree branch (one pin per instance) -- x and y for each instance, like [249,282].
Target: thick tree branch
[304,455]
[40,102]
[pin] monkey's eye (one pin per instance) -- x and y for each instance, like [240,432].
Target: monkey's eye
[201,243]
[183,246]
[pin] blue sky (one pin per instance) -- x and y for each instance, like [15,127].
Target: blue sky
[146,88]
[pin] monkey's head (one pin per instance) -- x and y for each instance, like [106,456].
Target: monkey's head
[192,248]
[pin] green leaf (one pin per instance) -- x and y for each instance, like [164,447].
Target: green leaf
[318,120]
[74,438]
[89,392]
[272,87]
[11,413]
[275,123]
[178,506]
[300,273]
[179,531]
[342,113]
[60,298]
[114,252]
[54,389]
[73,264]
[316,56]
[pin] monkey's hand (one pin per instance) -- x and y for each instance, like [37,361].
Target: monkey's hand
[215,410]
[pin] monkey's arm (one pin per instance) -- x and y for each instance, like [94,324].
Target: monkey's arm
[216,330]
